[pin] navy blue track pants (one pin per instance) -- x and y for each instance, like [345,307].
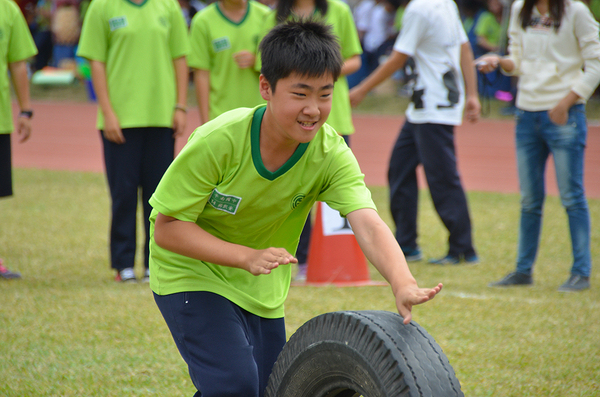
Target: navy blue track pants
[431,145]
[134,169]
[229,351]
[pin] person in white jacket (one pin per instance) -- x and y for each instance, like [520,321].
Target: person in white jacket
[555,51]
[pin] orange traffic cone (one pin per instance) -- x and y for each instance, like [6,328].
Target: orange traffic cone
[334,256]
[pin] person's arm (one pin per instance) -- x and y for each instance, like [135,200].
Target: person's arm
[383,72]
[181,81]
[351,65]
[381,248]
[112,129]
[18,72]
[472,105]
[489,63]
[485,44]
[202,85]
[586,32]
[189,239]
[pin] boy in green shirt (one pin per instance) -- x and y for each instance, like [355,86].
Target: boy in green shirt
[229,211]
[16,46]
[136,50]
[224,41]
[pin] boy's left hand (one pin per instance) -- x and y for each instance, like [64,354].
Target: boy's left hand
[412,295]
[244,59]
[23,128]
[179,123]
[263,261]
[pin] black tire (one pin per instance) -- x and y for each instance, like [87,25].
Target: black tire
[364,353]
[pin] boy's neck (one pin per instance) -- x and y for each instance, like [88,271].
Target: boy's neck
[234,9]
[304,8]
[275,151]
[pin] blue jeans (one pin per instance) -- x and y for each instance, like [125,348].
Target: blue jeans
[536,137]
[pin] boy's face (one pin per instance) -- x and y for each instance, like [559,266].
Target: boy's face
[299,106]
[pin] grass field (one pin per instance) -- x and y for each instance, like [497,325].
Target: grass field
[69,330]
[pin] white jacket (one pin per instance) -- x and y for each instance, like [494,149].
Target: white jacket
[549,63]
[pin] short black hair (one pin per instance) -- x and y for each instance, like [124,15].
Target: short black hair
[285,8]
[303,46]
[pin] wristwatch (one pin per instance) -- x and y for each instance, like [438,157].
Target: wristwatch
[26,113]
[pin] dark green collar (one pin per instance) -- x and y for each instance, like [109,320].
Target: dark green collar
[136,4]
[257,158]
[229,20]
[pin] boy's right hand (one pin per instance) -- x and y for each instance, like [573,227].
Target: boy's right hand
[263,261]
[112,129]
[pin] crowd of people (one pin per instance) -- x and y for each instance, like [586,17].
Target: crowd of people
[226,218]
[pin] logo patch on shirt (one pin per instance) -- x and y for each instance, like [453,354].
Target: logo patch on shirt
[224,202]
[221,44]
[117,23]
[297,200]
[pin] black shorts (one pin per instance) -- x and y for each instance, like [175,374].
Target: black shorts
[5,166]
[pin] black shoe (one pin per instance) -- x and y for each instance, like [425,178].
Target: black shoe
[412,254]
[575,283]
[513,279]
[472,259]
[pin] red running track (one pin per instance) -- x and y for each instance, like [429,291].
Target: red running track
[64,137]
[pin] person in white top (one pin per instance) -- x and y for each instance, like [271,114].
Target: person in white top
[433,35]
[375,25]
[362,15]
[555,51]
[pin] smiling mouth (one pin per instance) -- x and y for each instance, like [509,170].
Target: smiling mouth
[307,123]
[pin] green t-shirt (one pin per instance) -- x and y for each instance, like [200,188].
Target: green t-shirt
[138,44]
[398,18]
[16,45]
[340,17]
[214,39]
[488,27]
[219,182]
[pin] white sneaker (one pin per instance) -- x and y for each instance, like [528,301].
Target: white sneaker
[126,275]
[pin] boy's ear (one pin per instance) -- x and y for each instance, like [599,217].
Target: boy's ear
[265,88]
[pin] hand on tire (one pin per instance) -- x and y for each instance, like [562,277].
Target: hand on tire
[412,295]
[263,261]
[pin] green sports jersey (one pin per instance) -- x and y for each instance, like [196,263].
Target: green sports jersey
[340,17]
[219,182]
[214,39]
[16,45]
[489,27]
[137,43]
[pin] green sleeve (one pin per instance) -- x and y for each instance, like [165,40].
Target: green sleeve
[188,183]
[93,43]
[178,41]
[345,189]
[346,30]
[21,45]
[481,29]
[398,18]
[269,24]
[200,55]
